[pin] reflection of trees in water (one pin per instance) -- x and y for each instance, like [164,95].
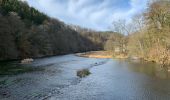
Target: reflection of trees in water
[150,69]
[162,72]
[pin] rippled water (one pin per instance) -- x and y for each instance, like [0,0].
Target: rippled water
[110,80]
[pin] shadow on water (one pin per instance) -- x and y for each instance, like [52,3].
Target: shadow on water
[14,68]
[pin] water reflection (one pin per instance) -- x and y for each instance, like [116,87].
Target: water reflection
[113,80]
[149,68]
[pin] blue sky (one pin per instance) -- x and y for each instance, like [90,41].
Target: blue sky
[94,14]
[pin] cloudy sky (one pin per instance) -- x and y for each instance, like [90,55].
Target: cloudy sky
[94,14]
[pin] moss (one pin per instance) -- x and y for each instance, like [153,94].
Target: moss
[83,73]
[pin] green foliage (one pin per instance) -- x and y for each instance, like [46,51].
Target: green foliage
[23,10]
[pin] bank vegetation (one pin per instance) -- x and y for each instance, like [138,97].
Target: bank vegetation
[147,36]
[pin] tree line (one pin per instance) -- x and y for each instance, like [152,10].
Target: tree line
[25,32]
[148,35]
[152,40]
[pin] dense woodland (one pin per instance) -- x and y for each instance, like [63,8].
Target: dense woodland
[26,32]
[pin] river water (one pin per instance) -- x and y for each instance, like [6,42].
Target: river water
[110,79]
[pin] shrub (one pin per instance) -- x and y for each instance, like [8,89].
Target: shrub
[83,73]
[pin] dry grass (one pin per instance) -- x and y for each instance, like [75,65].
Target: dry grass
[96,54]
[120,56]
[102,54]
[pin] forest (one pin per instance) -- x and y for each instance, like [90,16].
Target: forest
[25,32]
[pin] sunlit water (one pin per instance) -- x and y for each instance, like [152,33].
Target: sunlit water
[110,80]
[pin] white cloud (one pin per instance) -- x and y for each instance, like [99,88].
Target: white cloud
[97,14]
[137,7]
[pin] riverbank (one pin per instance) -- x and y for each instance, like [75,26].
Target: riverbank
[59,80]
[96,54]
[101,54]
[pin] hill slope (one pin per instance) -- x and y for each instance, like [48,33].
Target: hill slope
[26,32]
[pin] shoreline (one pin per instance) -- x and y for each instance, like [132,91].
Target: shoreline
[100,54]
[95,54]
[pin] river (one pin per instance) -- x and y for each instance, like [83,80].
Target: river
[110,79]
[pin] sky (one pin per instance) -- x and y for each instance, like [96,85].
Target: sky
[94,14]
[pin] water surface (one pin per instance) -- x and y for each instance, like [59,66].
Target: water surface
[111,79]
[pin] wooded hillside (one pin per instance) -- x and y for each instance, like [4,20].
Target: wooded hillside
[26,32]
